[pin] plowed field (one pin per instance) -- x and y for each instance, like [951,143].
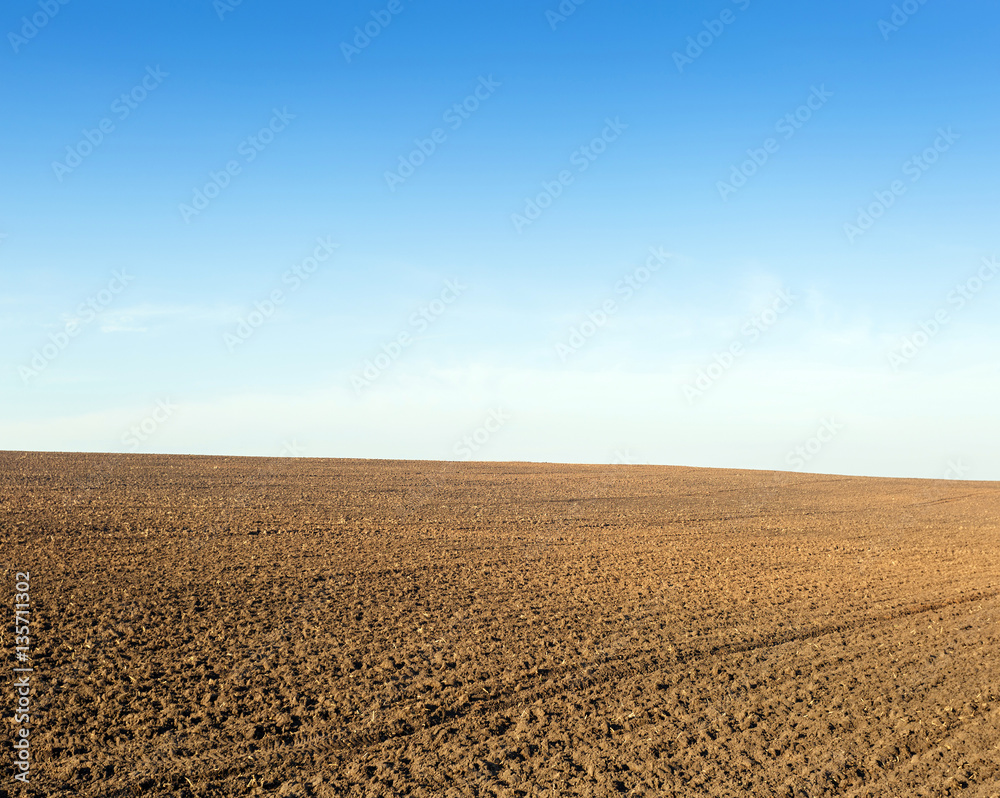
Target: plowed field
[302,627]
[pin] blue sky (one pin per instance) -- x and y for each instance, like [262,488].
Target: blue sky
[816,188]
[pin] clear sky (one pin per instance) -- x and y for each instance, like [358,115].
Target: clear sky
[733,234]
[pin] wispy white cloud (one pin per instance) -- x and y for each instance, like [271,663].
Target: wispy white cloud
[141,318]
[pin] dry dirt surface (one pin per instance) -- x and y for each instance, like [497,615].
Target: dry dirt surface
[304,627]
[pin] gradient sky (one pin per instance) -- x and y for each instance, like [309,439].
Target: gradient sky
[182,353]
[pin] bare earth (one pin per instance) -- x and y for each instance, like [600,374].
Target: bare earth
[298,627]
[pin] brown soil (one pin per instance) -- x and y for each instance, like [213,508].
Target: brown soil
[298,627]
